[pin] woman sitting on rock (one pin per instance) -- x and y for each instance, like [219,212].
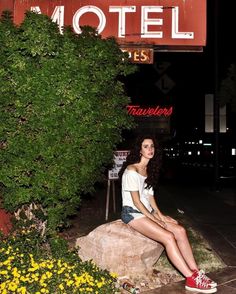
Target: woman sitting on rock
[139,176]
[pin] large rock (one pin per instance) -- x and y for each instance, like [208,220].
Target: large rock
[118,248]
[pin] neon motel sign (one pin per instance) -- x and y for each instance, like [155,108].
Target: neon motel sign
[122,12]
[159,22]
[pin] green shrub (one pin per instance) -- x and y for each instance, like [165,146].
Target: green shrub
[30,263]
[63,109]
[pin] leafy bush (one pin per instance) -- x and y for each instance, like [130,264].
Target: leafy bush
[63,109]
[30,263]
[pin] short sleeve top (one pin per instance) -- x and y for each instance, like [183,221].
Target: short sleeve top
[133,181]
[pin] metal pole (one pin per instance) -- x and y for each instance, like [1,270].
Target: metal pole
[114,196]
[216,98]
[107,199]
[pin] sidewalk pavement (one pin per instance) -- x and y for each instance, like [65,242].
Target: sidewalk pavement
[214,215]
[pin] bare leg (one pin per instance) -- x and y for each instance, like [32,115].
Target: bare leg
[183,244]
[153,231]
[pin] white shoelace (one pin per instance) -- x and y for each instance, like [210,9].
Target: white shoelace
[201,282]
[203,276]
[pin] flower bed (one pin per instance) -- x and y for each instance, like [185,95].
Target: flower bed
[30,263]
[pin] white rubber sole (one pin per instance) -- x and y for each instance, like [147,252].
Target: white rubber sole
[212,290]
[213,284]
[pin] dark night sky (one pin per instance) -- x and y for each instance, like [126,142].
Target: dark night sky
[193,73]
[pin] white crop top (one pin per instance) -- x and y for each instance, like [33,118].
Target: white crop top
[133,181]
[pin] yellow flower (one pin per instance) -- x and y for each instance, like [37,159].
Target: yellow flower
[24,279]
[59,263]
[100,284]
[12,286]
[50,265]
[43,284]
[43,277]
[6,262]
[3,285]
[114,275]
[61,271]
[69,283]
[15,273]
[22,290]
[48,274]
[43,264]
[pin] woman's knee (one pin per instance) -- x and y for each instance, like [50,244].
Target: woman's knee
[180,231]
[169,238]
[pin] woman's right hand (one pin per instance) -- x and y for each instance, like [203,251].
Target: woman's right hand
[160,223]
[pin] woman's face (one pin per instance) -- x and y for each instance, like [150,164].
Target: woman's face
[147,148]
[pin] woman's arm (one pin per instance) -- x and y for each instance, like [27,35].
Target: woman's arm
[155,207]
[157,213]
[136,200]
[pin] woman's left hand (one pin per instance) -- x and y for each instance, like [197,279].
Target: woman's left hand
[167,218]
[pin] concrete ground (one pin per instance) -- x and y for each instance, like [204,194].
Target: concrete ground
[214,214]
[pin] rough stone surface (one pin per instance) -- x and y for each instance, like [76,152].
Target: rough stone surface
[118,248]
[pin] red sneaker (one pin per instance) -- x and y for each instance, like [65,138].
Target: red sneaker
[202,274]
[198,284]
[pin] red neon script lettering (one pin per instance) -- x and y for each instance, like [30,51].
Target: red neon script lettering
[136,110]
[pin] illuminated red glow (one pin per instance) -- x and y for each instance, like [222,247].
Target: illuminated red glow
[137,110]
[134,22]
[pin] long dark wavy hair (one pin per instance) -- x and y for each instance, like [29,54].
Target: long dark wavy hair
[154,164]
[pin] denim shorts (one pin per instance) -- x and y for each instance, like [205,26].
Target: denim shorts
[128,213]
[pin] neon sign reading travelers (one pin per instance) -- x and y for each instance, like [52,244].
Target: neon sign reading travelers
[137,110]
